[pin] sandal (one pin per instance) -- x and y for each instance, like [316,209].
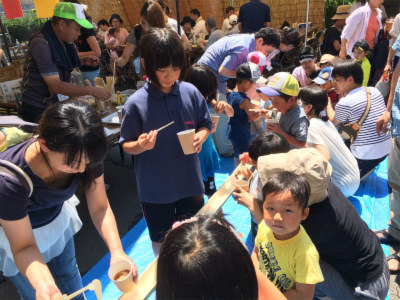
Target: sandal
[386,239]
[396,257]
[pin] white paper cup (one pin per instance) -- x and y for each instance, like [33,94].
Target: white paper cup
[119,111]
[244,184]
[124,285]
[186,140]
[215,119]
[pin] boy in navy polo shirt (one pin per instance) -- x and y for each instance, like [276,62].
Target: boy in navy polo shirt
[283,89]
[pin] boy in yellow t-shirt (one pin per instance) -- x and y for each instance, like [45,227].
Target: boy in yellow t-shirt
[361,51]
[283,251]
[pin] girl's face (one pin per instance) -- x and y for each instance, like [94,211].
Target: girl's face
[145,24]
[167,77]
[359,54]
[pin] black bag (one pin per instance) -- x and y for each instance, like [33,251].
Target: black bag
[350,131]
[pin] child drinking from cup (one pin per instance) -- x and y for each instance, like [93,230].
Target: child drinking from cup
[283,250]
[169,182]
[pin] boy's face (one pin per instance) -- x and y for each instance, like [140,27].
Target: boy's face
[283,214]
[282,105]
[327,86]
[308,66]
[359,54]
[324,65]
[342,85]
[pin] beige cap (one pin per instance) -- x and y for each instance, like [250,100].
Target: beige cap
[342,12]
[307,162]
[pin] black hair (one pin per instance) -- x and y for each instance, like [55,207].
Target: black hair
[228,9]
[269,143]
[297,185]
[243,73]
[363,44]
[164,6]
[152,12]
[102,22]
[55,20]
[195,11]
[111,30]
[290,36]
[204,259]
[285,97]
[187,19]
[270,37]
[160,48]
[349,68]
[315,96]
[307,51]
[285,24]
[115,16]
[204,79]
[74,128]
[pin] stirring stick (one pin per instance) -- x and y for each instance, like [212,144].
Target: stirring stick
[113,81]
[87,81]
[165,126]
[95,285]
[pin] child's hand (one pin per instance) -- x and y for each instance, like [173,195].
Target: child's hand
[147,141]
[214,127]
[274,127]
[245,159]
[243,171]
[243,198]
[198,142]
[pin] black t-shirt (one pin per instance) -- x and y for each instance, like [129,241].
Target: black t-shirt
[343,239]
[83,46]
[332,34]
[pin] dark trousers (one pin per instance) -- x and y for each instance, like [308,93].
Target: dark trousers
[31,113]
[366,165]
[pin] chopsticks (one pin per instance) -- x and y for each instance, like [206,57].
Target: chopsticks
[165,126]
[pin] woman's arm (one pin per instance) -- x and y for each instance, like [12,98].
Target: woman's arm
[104,221]
[126,55]
[28,258]
[94,46]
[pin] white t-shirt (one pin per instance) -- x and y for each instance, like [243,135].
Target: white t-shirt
[345,172]
[226,26]
[173,24]
[368,145]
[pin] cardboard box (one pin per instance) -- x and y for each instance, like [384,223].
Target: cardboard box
[9,90]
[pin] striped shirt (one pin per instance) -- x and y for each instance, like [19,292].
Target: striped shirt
[295,123]
[368,145]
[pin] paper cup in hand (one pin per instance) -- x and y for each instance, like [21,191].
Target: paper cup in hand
[120,273]
[186,140]
[119,111]
[215,119]
[244,184]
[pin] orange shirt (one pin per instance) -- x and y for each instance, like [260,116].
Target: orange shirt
[372,29]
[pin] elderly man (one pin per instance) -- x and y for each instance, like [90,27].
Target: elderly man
[213,31]
[50,60]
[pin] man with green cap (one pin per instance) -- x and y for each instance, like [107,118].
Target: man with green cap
[50,60]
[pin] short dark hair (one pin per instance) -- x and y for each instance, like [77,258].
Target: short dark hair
[74,128]
[349,68]
[229,8]
[243,73]
[297,185]
[55,20]
[153,13]
[204,259]
[160,48]
[111,30]
[195,11]
[115,16]
[315,96]
[164,6]
[363,44]
[187,19]
[103,22]
[290,36]
[204,79]
[270,37]
[266,144]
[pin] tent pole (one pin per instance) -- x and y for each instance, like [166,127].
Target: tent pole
[308,9]
[178,17]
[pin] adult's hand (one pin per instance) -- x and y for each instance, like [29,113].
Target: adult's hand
[120,255]
[382,123]
[342,53]
[91,61]
[100,93]
[47,291]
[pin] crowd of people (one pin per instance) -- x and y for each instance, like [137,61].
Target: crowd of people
[305,125]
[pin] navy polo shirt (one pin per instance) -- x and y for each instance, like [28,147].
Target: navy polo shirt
[164,174]
[253,15]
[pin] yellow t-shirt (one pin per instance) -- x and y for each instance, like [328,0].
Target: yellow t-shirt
[289,261]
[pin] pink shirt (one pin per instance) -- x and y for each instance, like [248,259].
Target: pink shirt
[121,36]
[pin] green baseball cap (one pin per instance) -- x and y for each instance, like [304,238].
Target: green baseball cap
[72,11]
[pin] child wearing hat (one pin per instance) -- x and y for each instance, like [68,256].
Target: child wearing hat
[326,60]
[239,126]
[361,51]
[308,70]
[324,80]
[282,90]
